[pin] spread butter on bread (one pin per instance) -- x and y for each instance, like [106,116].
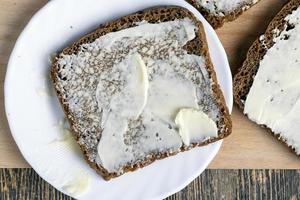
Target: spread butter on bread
[139,89]
[217,12]
[267,87]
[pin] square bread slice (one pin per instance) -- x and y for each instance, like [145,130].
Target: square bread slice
[217,12]
[267,86]
[140,88]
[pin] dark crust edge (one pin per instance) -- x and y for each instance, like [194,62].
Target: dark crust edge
[167,13]
[243,80]
[218,21]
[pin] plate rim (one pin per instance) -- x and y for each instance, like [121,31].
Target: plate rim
[9,75]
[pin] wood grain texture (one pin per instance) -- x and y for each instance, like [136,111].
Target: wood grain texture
[249,146]
[25,184]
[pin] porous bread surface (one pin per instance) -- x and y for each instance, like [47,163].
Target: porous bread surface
[243,80]
[198,46]
[217,21]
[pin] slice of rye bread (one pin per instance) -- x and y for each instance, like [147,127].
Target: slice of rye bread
[197,46]
[243,80]
[217,20]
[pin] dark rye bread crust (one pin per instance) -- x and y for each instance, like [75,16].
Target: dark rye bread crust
[218,21]
[243,80]
[198,46]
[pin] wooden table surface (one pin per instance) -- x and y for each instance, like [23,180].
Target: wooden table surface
[213,184]
[249,146]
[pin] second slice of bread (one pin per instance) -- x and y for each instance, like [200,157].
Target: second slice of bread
[218,15]
[244,79]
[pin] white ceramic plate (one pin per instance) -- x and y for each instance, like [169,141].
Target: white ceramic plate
[33,114]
